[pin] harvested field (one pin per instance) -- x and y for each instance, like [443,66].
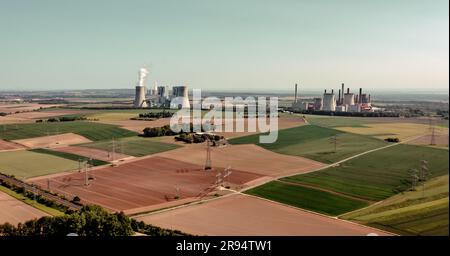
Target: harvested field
[248,157]
[240,215]
[136,125]
[13,108]
[92,153]
[15,211]
[440,139]
[384,130]
[12,120]
[46,114]
[53,140]
[7,145]
[145,182]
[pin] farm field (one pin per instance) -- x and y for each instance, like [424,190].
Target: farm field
[243,215]
[70,156]
[315,142]
[307,198]
[52,140]
[421,212]
[91,153]
[384,130]
[25,164]
[132,146]
[15,211]
[141,183]
[377,175]
[251,158]
[91,130]
[121,115]
[7,145]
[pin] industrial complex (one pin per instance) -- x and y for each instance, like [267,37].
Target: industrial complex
[344,102]
[160,96]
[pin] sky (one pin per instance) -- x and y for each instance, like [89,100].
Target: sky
[228,45]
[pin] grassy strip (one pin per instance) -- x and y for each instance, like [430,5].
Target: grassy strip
[33,203]
[306,198]
[69,156]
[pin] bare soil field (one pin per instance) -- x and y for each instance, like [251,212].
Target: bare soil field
[6,145]
[92,153]
[248,157]
[144,182]
[240,215]
[53,140]
[15,211]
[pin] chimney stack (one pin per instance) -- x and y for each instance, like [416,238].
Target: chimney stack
[360,96]
[348,90]
[342,100]
[332,91]
[325,91]
[295,95]
[339,97]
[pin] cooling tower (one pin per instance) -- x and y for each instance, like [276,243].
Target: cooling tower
[349,98]
[180,98]
[139,100]
[329,102]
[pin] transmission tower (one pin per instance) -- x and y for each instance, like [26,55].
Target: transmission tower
[414,178]
[433,132]
[334,141]
[208,165]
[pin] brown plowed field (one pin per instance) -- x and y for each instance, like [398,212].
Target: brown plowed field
[241,215]
[251,158]
[53,140]
[6,145]
[15,211]
[91,152]
[141,183]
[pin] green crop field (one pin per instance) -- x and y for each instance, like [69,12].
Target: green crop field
[91,130]
[74,157]
[377,175]
[420,212]
[26,164]
[133,146]
[315,142]
[306,198]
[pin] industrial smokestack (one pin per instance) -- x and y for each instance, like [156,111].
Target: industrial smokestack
[342,100]
[339,97]
[360,96]
[295,95]
[325,91]
[348,90]
[332,91]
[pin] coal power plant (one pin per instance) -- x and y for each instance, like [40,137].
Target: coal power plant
[159,96]
[344,101]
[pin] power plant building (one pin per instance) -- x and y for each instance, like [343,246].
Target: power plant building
[329,101]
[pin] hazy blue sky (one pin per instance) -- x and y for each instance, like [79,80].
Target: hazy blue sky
[233,44]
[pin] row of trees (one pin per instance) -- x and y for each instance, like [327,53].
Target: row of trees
[158,131]
[91,220]
[63,119]
[357,114]
[156,115]
[198,138]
